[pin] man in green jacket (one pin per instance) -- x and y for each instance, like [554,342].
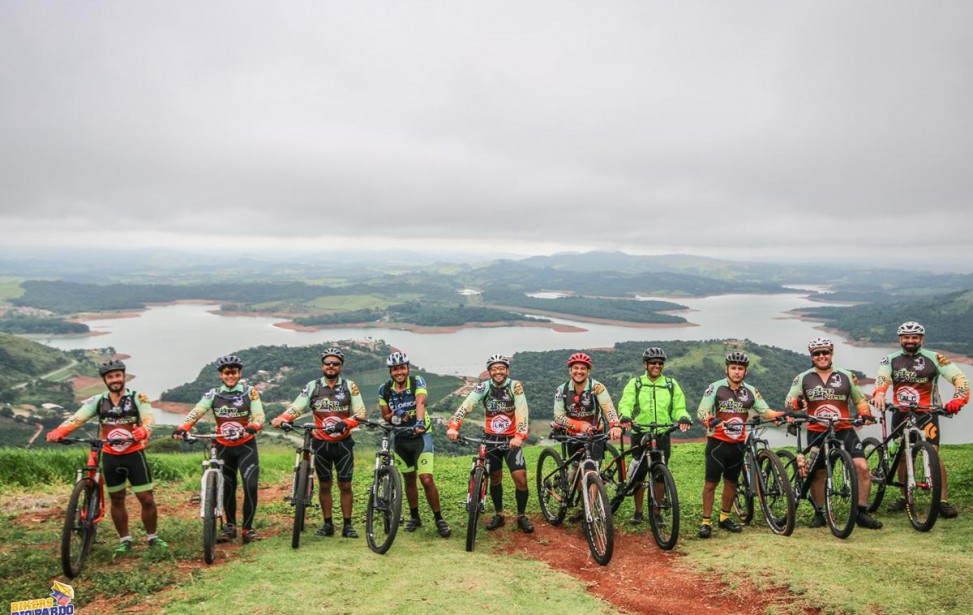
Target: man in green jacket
[653,398]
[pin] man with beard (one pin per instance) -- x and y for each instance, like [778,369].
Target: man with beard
[402,401]
[505,406]
[913,373]
[337,407]
[239,415]
[122,414]
[832,393]
[730,401]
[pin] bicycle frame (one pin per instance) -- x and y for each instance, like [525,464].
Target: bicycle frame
[650,453]
[586,463]
[211,465]
[900,443]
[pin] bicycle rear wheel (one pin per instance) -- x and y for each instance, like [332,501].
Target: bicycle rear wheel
[878,467]
[209,517]
[301,500]
[743,501]
[600,531]
[477,492]
[79,528]
[841,494]
[775,493]
[384,509]
[922,496]
[552,487]
[613,473]
[663,508]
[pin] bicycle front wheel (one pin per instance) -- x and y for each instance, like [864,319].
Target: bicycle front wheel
[775,493]
[743,502]
[301,500]
[209,517]
[663,506]
[841,493]
[552,487]
[599,531]
[878,468]
[384,509]
[922,494]
[477,492]
[79,528]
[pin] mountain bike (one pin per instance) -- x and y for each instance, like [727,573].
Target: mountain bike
[661,496]
[919,476]
[479,479]
[86,506]
[385,494]
[840,477]
[210,494]
[302,485]
[563,480]
[763,477]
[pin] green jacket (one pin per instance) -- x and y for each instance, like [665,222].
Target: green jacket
[661,401]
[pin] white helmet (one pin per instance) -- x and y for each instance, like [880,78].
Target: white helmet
[397,358]
[497,358]
[820,342]
[911,328]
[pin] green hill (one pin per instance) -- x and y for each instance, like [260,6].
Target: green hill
[22,360]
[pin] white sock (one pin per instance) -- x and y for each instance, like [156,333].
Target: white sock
[150,537]
[125,539]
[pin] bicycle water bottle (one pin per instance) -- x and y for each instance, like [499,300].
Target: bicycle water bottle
[812,456]
[572,472]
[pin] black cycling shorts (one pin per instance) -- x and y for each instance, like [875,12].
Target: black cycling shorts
[723,459]
[513,456]
[926,421]
[849,441]
[129,469]
[337,455]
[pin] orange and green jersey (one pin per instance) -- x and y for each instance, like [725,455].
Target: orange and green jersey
[575,410]
[914,378]
[329,404]
[733,408]
[233,410]
[505,407]
[839,396]
[117,421]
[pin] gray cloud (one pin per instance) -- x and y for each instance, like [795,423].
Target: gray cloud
[703,127]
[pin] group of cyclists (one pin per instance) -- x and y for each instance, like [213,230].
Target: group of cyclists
[582,405]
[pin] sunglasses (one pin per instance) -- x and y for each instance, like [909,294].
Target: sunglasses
[330,363]
[655,362]
[230,372]
[821,353]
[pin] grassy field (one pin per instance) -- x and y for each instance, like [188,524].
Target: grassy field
[10,288]
[894,570]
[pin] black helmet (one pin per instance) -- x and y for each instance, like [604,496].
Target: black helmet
[333,352]
[230,360]
[111,365]
[738,358]
[653,353]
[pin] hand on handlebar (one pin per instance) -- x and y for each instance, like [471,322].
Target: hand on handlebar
[953,406]
[56,435]
[140,433]
[516,442]
[685,423]
[711,421]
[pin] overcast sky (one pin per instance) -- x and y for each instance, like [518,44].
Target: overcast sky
[742,130]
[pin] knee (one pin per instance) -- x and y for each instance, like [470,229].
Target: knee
[344,487]
[427,480]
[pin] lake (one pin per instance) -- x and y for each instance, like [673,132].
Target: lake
[169,344]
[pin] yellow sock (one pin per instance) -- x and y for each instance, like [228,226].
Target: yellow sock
[724,515]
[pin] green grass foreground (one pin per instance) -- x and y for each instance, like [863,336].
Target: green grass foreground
[893,570]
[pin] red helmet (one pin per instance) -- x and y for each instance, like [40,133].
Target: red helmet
[580,357]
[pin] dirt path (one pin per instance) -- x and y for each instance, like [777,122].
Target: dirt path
[641,578]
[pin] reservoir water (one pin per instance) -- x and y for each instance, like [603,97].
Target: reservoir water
[168,344]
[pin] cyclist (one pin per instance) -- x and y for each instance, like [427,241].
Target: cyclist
[913,373]
[829,392]
[402,401]
[730,400]
[506,412]
[239,415]
[337,405]
[122,413]
[652,398]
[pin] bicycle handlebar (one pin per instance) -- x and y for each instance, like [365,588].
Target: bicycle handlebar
[915,409]
[492,444]
[111,441]
[388,428]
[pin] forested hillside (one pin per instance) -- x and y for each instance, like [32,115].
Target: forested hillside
[22,360]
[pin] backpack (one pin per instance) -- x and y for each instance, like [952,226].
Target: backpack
[638,389]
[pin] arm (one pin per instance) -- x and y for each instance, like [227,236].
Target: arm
[793,400]
[961,386]
[858,401]
[203,406]
[297,407]
[421,395]
[560,414]
[882,383]
[257,416]
[611,414]
[469,404]
[706,405]
[88,409]
[357,406]
[146,417]
[627,403]
[679,412]
[521,415]
[760,406]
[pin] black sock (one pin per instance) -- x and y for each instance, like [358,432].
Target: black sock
[347,520]
[438,514]
[521,501]
[328,521]
[414,513]
[496,494]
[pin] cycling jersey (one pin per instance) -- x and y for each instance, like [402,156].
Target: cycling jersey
[329,404]
[233,410]
[732,407]
[403,403]
[575,411]
[646,401]
[505,407]
[839,397]
[914,378]
[116,421]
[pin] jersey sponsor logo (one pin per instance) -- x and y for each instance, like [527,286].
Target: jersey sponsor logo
[908,396]
[119,434]
[558,396]
[885,361]
[480,388]
[306,391]
[733,428]
[942,360]
[328,421]
[709,391]
[210,394]
[920,363]
[500,423]
[230,428]
[827,412]
[836,380]
[744,396]
[931,432]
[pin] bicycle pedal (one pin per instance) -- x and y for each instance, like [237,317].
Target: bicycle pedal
[194,498]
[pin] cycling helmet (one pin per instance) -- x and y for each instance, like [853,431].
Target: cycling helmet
[738,358]
[497,358]
[397,358]
[911,328]
[579,357]
[111,365]
[230,360]
[333,352]
[820,342]
[653,353]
